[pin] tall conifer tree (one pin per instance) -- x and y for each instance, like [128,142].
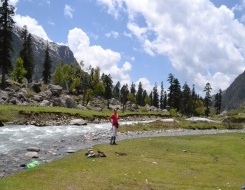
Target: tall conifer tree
[155,97]
[27,54]
[47,66]
[161,96]
[176,94]
[208,98]
[116,91]
[170,89]
[124,93]
[139,95]
[218,101]
[108,84]
[6,26]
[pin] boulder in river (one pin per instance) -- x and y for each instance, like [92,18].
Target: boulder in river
[32,155]
[78,122]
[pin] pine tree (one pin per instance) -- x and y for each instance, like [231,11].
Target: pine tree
[208,98]
[75,74]
[132,89]
[108,84]
[139,95]
[165,103]
[124,93]
[186,101]
[47,66]
[151,98]
[96,82]
[155,97]
[161,96]
[6,25]
[170,89]
[218,101]
[193,99]
[146,99]
[27,54]
[176,94]
[116,91]
[85,84]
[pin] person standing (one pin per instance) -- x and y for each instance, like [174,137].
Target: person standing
[114,121]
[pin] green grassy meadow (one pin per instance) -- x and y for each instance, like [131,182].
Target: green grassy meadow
[210,162]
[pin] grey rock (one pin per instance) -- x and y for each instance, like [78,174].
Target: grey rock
[45,103]
[32,155]
[38,98]
[81,107]
[67,101]
[36,87]
[3,95]
[55,89]
[71,151]
[78,122]
[2,174]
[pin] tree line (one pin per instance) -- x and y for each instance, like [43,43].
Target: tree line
[74,79]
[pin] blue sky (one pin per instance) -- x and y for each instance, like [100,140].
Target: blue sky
[198,41]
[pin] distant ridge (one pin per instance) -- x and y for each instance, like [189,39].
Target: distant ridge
[234,96]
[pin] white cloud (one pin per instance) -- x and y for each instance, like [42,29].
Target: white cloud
[145,84]
[112,34]
[68,11]
[127,34]
[196,36]
[112,6]
[32,26]
[239,7]
[95,56]
[13,2]
[51,23]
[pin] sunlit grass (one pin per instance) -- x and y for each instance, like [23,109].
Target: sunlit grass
[14,112]
[160,125]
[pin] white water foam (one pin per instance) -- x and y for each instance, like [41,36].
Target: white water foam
[14,136]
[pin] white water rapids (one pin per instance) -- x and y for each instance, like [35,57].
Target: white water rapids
[13,137]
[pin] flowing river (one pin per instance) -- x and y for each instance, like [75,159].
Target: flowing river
[14,137]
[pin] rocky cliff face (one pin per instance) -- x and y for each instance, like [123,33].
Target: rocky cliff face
[234,96]
[57,52]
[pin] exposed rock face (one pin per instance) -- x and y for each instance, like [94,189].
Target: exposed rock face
[234,96]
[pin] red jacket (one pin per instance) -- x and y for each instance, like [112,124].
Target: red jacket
[115,119]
